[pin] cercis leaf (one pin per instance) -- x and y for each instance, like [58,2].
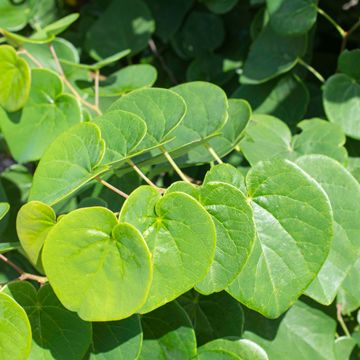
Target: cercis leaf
[68,163]
[168,334]
[83,276]
[294,226]
[15,78]
[47,113]
[14,17]
[272,54]
[293,17]
[33,223]
[4,208]
[215,316]
[180,235]
[344,194]
[117,340]
[15,330]
[161,109]
[235,231]
[56,332]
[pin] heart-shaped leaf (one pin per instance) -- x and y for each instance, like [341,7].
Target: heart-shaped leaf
[48,113]
[161,109]
[235,231]
[83,276]
[181,238]
[15,330]
[214,316]
[15,78]
[168,334]
[117,340]
[293,17]
[344,195]
[68,163]
[294,227]
[243,348]
[33,223]
[270,55]
[122,132]
[341,98]
[137,25]
[56,332]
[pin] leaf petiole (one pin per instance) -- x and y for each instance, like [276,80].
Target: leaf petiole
[175,167]
[311,69]
[111,187]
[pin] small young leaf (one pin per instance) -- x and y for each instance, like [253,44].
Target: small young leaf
[83,276]
[4,208]
[15,78]
[15,330]
[181,238]
[56,332]
[33,223]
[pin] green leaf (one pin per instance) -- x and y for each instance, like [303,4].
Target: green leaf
[226,173]
[293,17]
[201,32]
[344,194]
[206,113]
[341,97]
[294,226]
[349,292]
[239,113]
[48,113]
[4,208]
[117,340]
[122,132]
[270,55]
[128,79]
[243,348]
[59,26]
[8,246]
[216,355]
[15,78]
[95,245]
[33,223]
[15,331]
[267,137]
[235,231]
[285,97]
[56,332]
[168,334]
[180,235]
[347,63]
[136,27]
[214,316]
[68,163]
[16,39]
[304,332]
[161,109]
[14,17]
[219,6]
[168,16]
[343,347]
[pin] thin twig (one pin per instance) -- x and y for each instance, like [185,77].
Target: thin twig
[23,275]
[175,167]
[341,320]
[143,176]
[96,85]
[311,69]
[31,57]
[112,188]
[156,52]
[340,30]
[68,83]
[214,154]
[347,35]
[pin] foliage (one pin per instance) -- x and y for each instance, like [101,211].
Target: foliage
[179,179]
